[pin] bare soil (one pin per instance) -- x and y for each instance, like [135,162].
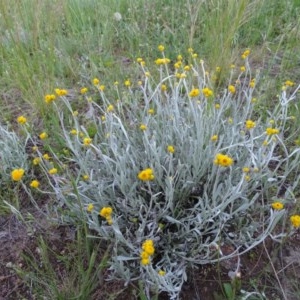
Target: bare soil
[18,240]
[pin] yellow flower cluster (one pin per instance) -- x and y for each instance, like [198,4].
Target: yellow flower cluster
[110,108]
[87,141]
[34,184]
[17,174]
[271,131]
[49,98]
[277,205]
[106,213]
[143,127]
[223,160]
[214,138]
[90,208]
[207,92]
[171,149]
[245,54]
[289,83]
[52,171]
[163,87]
[127,83]
[161,48]
[43,135]
[252,83]
[146,175]
[21,120]
[83,91]
[295,220]
[194,93]
[61,92]
[162,61]
[246,169]
[148,251]
[250,124]
[231,89]
[96,81]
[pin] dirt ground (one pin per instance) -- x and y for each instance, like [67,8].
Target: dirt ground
[204,282]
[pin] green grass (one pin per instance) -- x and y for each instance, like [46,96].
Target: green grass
[67,43]
[63,43]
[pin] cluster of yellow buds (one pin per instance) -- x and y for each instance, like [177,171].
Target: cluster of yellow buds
[147,251]
[106,213]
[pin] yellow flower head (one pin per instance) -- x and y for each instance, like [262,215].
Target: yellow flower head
[36,161]
[247,178]
[163,87]
[250,124]
[277,205]
[223,160]
[87,141]
[246,169]
[252,83]
[151,111]
[83,90]
[109,220]
[127,83]
[85,177]
[214,138]
[145,261]
[61,92]
[46,156]
[144,255]
[161,273]
[17,174]
[295,220]
[245,54]
[231,89]
[106,212]
[90,208]
[102,87]
[194,93]
[146,175]
[171,149]
[217,105]
[52,171]
[148,247]
[162,61]
[49,98]
[161,48]
[243,68]
[177,64]
[34,184]
[21,120]
[271,131]
[143,127]
[74,132]
[207,92]
[110,108]
[289,83]
[187,68]
[96,81]
[43,135]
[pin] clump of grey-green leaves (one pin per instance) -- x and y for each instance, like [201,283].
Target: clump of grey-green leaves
[193,206]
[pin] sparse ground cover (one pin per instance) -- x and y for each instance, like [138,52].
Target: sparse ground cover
[120,148]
